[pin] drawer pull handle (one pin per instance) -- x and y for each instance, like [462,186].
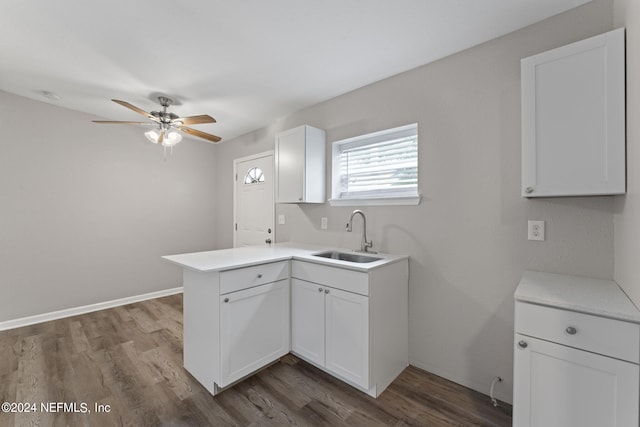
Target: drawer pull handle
[226,300]
[523,344]
[259,276]
[571,330]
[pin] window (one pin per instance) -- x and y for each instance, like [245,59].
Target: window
[377,169]
[254,176]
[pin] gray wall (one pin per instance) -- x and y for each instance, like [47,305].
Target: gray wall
[467,238]
[627,208]
[87,210]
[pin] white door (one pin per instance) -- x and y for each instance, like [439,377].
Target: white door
[307,321]
[347,335]
[254,329]
[560,386]
[253,201]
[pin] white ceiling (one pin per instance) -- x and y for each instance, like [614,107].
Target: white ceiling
[246,63]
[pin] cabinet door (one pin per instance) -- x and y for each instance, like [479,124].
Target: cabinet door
[254,329]
[573,119]
[347,336]
[555,385]
[290,164]
[307,321]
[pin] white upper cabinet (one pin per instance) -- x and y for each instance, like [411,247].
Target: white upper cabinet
[300,165]
[573,119]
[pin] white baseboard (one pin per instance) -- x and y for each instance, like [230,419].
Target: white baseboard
[481,388]
[54,315]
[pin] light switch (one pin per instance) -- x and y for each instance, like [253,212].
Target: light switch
[323,223]
[281,219]
[535,230]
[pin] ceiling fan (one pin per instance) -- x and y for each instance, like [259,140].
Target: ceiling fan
[166,124]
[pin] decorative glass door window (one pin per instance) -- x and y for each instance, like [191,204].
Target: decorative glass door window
[254,176]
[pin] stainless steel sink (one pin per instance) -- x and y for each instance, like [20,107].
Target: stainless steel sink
[346,256]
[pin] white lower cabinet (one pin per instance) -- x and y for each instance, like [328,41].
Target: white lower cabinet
[351,324]
[254,329]
[574,369]
[307,321]
[235,322]
[330,328]
[556,385]
[347,335]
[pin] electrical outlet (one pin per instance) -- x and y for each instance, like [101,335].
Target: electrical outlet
[323,223]
[535,230]
[280,219]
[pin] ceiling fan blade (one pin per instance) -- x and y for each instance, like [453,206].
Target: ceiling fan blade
[200,134]
[136,109]
[194,120]
[120,122]
[161,137]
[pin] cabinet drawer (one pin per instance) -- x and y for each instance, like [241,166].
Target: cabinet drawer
[248,277]
[340,278]
[610,337]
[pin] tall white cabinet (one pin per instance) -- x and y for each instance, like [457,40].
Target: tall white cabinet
[573,119]
[300,158]
[576,353]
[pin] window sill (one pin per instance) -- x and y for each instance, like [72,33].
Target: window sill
[386,201]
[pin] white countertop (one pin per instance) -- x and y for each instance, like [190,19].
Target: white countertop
[227,259]
[592,296]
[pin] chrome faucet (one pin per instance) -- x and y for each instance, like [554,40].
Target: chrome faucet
[365,245]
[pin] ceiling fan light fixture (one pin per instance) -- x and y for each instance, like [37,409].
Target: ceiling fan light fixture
[152,135]
[171,138]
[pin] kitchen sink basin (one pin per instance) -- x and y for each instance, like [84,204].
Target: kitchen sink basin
[346,256]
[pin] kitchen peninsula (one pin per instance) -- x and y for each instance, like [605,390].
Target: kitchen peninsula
[342,311]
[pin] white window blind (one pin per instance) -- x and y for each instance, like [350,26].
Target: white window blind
[379,165]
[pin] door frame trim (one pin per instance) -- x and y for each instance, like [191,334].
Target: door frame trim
[235,189]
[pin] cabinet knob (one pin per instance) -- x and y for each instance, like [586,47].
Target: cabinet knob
[319,289]
[326,291]
[528,190]
[260,276]
[299,199]
[226,300]
[571,330]
[523,344]
[268,241]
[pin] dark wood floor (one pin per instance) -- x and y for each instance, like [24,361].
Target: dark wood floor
[130,358]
